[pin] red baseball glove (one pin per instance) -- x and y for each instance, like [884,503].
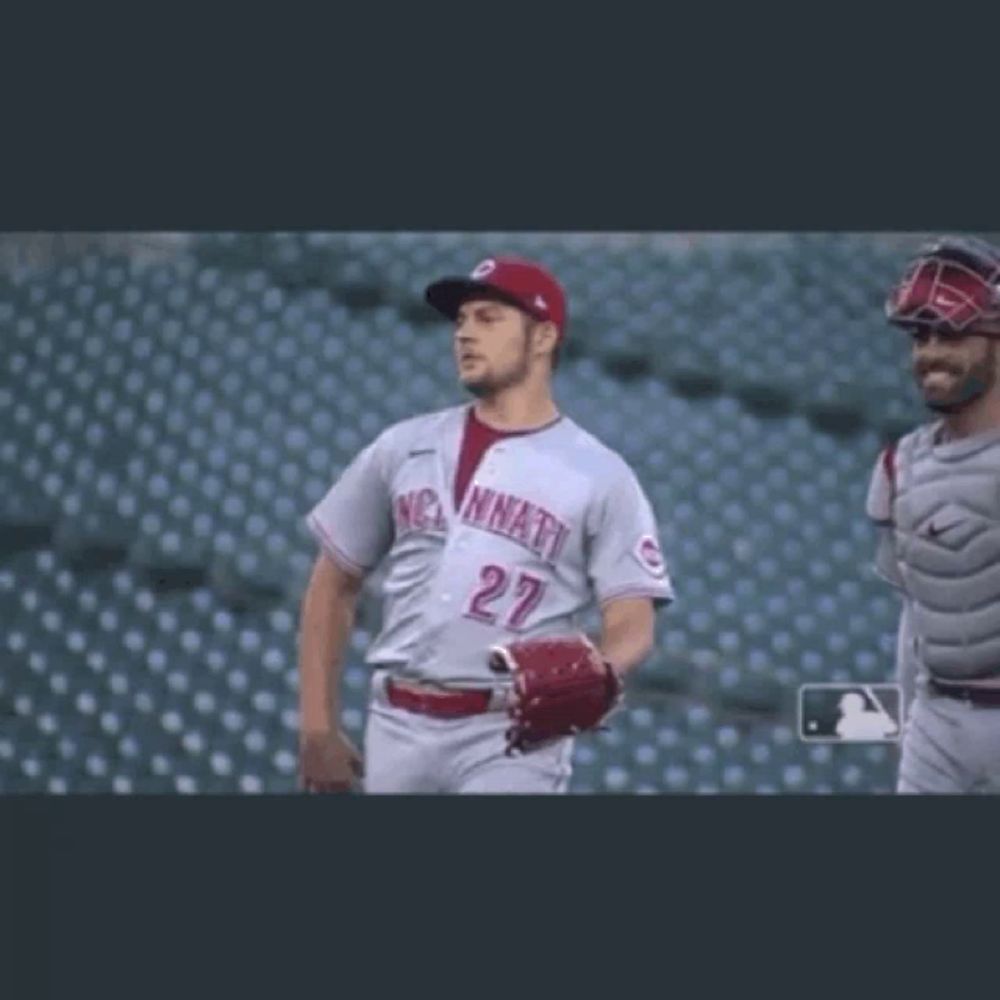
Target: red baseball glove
[561,687]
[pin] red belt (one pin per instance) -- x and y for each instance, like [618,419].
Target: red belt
[453,704]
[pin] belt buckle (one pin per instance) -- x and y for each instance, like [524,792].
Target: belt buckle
[501,699]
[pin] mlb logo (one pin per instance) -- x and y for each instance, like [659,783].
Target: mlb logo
[850,713]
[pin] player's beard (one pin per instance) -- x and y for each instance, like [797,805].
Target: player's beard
[493,383]
[970,384]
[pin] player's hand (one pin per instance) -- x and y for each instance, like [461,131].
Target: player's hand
[328,762]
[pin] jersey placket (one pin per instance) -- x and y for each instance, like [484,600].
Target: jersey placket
[444,596]
[459,537]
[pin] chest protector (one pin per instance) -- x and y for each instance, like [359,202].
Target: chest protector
[946,514]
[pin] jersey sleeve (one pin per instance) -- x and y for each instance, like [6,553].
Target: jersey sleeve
[886,564]
[625,559]
[878,507]
[353,522]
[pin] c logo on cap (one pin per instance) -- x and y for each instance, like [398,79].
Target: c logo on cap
[486,268]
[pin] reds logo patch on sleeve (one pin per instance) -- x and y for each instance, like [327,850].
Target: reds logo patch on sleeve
[647,551]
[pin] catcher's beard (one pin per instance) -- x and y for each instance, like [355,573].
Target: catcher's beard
[976,382]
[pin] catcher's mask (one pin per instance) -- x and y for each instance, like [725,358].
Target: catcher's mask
[953,285]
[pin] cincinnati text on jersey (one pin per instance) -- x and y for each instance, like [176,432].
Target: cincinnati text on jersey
[528,524]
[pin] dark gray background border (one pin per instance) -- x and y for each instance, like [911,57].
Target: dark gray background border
[648,131]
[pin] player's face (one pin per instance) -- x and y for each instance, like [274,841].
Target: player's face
[492,346]
[953,370]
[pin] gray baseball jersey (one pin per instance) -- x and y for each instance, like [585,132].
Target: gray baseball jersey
[552,522]
[938,505]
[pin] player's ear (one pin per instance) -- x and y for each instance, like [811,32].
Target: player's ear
[545,338]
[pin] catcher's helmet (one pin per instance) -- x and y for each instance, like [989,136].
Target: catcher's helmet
[953,284]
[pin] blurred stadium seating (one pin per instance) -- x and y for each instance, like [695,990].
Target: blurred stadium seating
[168,421]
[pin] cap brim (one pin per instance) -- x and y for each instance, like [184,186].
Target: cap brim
[449,294]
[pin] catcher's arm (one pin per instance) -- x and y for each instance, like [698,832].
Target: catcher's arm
[626,632]
[907,664]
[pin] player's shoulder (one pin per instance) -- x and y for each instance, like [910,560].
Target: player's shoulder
[590,452]
[885,475]
[887,462]
[420,428]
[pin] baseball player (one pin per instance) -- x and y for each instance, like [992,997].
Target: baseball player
[499,523]
[936,496]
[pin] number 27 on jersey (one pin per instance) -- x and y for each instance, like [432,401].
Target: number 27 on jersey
[494,585]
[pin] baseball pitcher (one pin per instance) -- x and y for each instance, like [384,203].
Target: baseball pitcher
[936,496]
[499,523]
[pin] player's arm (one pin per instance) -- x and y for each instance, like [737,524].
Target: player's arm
[327,618]
[907,664]
[353,527]
[328,759]
[879,508]
[627,571]
[627,632]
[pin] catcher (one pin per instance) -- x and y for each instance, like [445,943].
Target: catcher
[935,495]
[497,525]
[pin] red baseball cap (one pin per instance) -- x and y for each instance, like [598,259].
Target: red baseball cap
[519,282]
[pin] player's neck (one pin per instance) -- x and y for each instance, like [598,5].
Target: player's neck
[517,409]
[982,416]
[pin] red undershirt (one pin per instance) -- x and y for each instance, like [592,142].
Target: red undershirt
[476,439]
